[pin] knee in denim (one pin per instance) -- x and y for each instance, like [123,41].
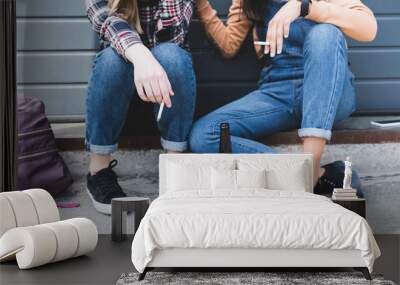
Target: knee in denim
[323,38]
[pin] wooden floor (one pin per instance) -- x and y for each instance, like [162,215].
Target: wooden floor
[110,260]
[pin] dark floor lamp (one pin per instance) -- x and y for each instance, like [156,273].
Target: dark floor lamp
[8,132]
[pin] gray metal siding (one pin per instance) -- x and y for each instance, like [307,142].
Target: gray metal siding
[56,46]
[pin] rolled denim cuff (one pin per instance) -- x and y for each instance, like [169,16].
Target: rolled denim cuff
[314,132]
[101,149]
[174,146]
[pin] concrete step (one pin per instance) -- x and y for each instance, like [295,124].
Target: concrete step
[355,130]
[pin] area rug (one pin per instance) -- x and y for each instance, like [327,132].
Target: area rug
[244,278]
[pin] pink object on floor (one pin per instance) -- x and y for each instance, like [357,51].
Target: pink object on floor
[68,205]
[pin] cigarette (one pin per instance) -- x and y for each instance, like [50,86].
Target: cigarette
[261,43]
[160,111]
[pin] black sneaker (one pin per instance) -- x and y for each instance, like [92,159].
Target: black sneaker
[333,178]
[102,187]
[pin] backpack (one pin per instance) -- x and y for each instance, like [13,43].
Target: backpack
[39,163]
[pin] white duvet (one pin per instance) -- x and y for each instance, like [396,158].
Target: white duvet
[250,219]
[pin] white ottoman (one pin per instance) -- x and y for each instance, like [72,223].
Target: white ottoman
[31,233]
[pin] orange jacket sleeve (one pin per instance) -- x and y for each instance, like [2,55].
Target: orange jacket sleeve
[230,36]
[355,19]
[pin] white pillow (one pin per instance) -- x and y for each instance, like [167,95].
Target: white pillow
[282,174]
[182,178]
[226,179]
[223,179]
[184,175]
[251,178]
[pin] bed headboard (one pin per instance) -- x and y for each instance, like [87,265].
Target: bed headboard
[207,158]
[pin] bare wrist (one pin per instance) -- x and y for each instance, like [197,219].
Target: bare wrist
[297,4]
[135,52]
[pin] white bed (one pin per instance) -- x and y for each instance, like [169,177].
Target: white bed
[202,225]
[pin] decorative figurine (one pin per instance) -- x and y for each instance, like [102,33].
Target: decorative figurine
[347,174]
[347,192]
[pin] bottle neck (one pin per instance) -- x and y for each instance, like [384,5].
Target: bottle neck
[225,140]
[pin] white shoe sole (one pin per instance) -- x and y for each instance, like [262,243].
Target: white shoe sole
[100,207]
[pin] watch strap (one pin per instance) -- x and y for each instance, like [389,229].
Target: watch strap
[305,8]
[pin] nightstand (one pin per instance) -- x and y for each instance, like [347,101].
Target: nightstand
[119,209]
[355,205]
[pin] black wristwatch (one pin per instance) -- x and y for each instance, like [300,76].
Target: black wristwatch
[305,7]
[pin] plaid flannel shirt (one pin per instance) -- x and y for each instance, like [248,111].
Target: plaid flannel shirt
[161,21]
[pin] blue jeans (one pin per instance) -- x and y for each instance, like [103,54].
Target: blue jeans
[309,87]
[112,87]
